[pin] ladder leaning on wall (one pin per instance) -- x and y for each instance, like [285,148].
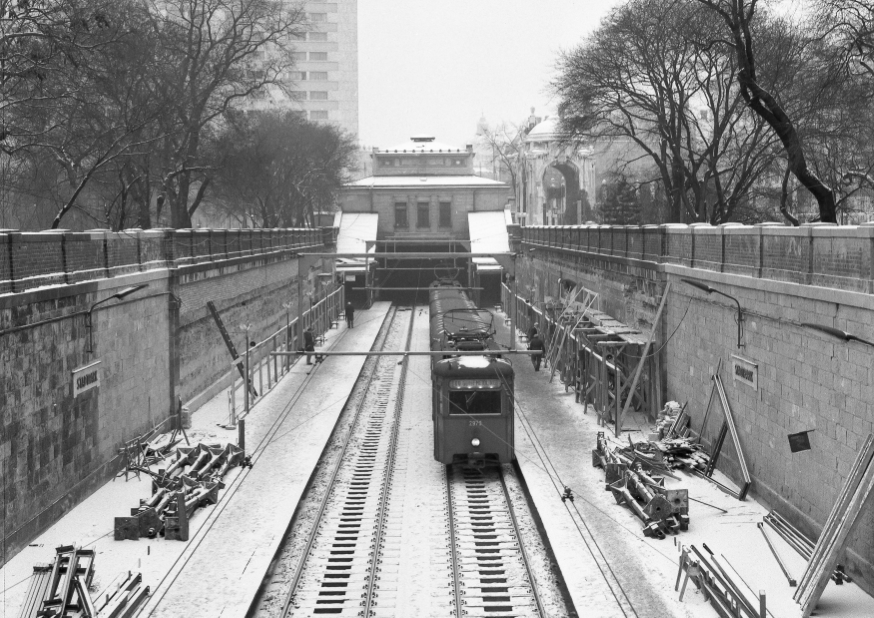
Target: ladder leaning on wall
[560,334]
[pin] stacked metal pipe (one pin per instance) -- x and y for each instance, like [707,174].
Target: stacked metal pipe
[189,482]
[631,480]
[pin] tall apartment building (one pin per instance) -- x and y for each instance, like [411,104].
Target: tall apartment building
[326,75]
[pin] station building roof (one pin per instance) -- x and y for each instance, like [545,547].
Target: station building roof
[406,182]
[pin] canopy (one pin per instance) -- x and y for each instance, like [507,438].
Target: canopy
[488,234]
[357,235]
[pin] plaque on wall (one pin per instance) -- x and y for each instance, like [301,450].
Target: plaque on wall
[745,371]
[85,378]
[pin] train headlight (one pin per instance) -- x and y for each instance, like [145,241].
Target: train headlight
[474,442]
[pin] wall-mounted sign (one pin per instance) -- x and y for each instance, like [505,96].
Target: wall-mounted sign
[85,378]
[744,371]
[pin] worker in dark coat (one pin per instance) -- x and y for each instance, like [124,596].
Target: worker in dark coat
[350,315]
[309,343]
[536,343]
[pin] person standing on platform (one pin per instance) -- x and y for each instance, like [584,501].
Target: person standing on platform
[536,343]
[531,332]
[350,315]
[309,343]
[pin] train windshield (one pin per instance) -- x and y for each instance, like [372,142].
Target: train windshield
[475,402]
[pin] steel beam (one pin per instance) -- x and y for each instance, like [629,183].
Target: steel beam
[401,353]
[408,255]
[413,289]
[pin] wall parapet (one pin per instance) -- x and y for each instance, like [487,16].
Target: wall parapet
[818,254]
[30,260]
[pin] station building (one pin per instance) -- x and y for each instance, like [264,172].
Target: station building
[423,196]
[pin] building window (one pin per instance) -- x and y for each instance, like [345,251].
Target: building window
[319,114]
[318,95]
[297,76]
[457,162]
[317,17]
[423,215]
[401,215]
[299,56]
[318,76]
[385,162]
[297,36]
[317,36]
[445,214]
[318,56]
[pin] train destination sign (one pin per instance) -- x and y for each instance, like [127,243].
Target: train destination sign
[85,378]
[745,371]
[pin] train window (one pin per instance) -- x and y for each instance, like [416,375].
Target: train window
[474,402]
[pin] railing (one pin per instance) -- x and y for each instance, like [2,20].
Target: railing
[817,254]
[265,369]
[33,259]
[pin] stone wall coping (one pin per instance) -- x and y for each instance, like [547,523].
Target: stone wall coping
[12,300]
[709,230]
[787,231]
[852,231]
[810,292]
[743,230]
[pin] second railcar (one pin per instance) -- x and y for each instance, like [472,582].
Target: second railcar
[472,406]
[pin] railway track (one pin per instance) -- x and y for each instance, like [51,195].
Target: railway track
[335,572]
[349,551]
[499,565]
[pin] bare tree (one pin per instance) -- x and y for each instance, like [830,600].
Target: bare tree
[223,54]
[652,76]
[740,16]
[277,169]
[506,142]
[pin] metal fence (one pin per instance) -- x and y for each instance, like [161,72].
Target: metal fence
[264,369]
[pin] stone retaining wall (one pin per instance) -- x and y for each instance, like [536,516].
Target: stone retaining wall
[154,346]
[782,277]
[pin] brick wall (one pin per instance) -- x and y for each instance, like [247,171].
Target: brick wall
[56,448]
[782,277]
[153,346]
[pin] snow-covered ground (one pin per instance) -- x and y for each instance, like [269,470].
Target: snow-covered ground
[599,546]
[300,436]
[554,440]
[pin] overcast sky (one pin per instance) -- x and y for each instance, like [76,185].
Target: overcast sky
[436,66]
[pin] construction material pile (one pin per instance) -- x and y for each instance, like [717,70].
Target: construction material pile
[637,481]
[717,585]
[191,481]
[855,495]
[61,589]
[678,454]
[798,541]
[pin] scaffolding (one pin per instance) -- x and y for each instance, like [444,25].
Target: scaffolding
[593,354]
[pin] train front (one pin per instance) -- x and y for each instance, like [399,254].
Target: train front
[473,410]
